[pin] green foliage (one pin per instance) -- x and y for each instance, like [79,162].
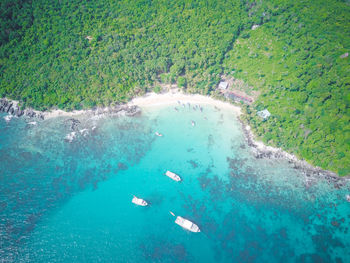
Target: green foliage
[157,89]
[181,81]
[294,60]
[73,53]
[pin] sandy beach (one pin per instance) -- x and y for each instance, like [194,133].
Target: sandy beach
[173,97]
[151,100]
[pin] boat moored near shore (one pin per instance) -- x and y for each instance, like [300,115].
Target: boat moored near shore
[139,201]
[173,176]
[187,224]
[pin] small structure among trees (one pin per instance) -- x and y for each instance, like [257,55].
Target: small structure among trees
[223,85]
[264,114]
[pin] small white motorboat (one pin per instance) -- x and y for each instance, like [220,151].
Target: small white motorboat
[32,123]
[193,123]
[187,224]
[173,176]
[139,201]
[158,134]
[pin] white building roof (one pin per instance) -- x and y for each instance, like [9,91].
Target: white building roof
[264,114]
[223,85]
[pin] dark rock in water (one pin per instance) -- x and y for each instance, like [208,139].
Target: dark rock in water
[74,123]
[8,107]
[20,113]
[30,113]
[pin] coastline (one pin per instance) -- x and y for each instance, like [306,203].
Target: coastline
[260,151]
[172,97]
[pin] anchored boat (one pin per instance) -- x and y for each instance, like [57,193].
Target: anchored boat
[139,201]
[158,134]
[173,176]
[187,224]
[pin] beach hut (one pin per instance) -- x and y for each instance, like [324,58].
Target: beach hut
[223,85]
[264,114]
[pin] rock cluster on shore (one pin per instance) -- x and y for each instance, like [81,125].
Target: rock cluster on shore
[119,110]
[261,151]
[13,108]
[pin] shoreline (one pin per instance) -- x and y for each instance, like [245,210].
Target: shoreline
[261,150]
[172,97]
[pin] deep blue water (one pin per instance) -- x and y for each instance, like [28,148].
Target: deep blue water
[71,202]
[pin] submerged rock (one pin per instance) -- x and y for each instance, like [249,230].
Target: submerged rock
[74,123]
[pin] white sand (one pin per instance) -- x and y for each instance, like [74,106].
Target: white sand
[153,99]
[173,97]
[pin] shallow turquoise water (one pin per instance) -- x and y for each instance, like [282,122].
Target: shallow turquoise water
[71,202]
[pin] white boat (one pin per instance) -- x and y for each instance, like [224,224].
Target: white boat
[173,176]
[158,134]
[193,123]
[187,224]
[139,201]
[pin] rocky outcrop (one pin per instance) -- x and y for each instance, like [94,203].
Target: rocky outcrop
[261,151]
[121,110]
[13,108]
[73,123]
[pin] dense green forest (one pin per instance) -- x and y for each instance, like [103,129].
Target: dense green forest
[74,54]
[296,61]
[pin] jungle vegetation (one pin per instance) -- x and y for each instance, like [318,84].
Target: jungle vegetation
[73,54]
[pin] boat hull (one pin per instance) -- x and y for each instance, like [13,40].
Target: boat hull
[139,201]
[187,224]
[173,176]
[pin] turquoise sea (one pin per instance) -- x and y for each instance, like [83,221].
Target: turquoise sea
[66,201]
